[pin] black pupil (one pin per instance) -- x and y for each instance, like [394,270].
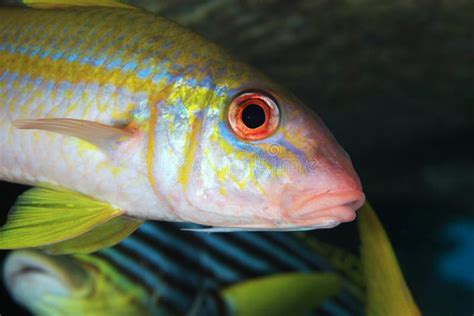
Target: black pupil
[253,116]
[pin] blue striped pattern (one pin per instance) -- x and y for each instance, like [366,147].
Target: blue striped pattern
[184,268]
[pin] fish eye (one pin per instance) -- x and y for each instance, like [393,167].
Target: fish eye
[253,115]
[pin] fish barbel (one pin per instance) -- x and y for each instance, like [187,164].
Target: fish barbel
[117,116]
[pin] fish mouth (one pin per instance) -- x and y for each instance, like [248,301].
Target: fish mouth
[331,208]
[31,275]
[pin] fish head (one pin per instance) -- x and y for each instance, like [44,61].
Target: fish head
[62,285]
[256,158]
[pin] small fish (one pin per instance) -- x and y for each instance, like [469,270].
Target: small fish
[61,285]
[163,271]
[116,116]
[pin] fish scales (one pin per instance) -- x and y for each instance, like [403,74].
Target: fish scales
[102,65]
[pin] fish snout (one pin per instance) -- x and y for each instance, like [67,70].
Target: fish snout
[330,207]
[330,193]
[326,199]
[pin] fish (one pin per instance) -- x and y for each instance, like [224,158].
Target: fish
[115,116]
[62,285]
[158,270]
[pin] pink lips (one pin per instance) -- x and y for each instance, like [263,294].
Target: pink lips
[331,206]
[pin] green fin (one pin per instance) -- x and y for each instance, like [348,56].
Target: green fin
[46,4]
[44,216]
[387,292]
[282,294]
[105,235]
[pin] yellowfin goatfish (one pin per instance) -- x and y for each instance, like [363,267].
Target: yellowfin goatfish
[116,116]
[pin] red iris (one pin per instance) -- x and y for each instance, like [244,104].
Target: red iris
[253,115]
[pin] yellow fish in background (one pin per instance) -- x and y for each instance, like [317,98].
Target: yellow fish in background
[118,116]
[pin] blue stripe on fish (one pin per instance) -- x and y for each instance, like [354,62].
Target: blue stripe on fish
[91,60]
[149,278]
[170,240]
[241,256]
[272,250]
[191,264]
[298,249]
[150,254]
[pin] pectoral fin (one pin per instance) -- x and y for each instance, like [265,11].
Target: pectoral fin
[282,294]
[46,216]
[101,135]
[105,235]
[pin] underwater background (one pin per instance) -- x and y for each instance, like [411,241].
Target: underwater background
[394,83]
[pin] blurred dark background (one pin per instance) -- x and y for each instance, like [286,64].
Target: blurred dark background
[394,82]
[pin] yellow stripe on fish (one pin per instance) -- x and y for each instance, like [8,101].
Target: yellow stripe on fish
[189,152]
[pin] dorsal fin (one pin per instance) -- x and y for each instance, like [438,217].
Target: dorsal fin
[47,4]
